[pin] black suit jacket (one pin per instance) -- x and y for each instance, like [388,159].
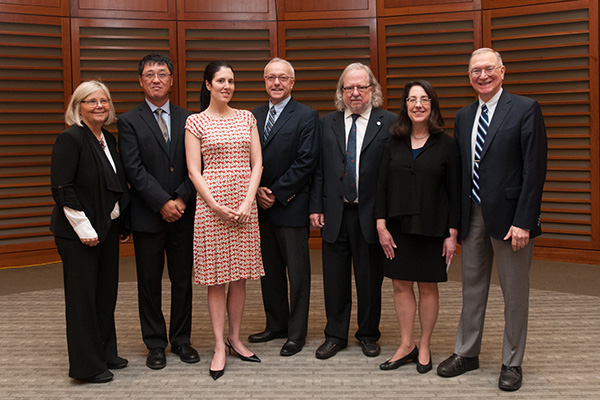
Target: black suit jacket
[327,190]
[422,194]
[289,156]
[156,173]
[83,179]
[512,169]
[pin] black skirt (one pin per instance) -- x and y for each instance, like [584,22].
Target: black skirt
[417,258]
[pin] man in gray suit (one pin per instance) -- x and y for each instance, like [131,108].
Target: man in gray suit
[341,203]
[502,141]
[163,199]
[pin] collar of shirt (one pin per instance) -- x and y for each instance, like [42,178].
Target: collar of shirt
[280,106]
[165,107]
[491,105]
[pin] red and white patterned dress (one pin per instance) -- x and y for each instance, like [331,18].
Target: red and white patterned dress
[224,252]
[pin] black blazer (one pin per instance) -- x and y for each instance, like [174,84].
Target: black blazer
[512,169]
[327,190]
[83,179]
[422,194]
[156,173]
[289,158]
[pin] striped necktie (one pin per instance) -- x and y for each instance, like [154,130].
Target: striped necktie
[270,123]
[162,125]
[482,127]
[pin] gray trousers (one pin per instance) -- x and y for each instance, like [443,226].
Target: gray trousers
[478,253]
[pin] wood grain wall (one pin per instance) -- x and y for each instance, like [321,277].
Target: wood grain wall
[550,48]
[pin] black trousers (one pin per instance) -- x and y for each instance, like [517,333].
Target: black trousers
[285,248]
[150,250]
[91,278]
[338,257]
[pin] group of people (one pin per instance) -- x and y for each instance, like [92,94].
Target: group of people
[229,195]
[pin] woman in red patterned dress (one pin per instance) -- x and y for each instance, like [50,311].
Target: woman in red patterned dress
[225,163]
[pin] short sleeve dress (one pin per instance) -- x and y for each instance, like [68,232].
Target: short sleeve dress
[224,252]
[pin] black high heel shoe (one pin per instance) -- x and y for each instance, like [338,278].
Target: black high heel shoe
[216,374]
[410,357]
[252,358]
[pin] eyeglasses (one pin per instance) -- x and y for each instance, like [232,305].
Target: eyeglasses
[350,89]
[414,100]
[94,102]
[489,71]
[282,78]
[151,75]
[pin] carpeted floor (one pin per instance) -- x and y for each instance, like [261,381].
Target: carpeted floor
[562,359]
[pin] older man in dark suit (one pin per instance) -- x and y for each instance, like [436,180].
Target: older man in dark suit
[502,140]
[342,202]
[288,131]
[163,199]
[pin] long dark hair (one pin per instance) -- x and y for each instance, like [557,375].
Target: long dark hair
[435,123]
[209,73]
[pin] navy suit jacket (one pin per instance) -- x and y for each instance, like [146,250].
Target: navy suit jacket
[327,190]
[156,173]
[290,157]
[512,169]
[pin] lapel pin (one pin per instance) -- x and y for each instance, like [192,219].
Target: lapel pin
[378,122]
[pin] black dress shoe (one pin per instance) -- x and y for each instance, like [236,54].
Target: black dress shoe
[251,358]
[156,358]
[117,363]
[186,353]
[328,349]
[410,357]
[216,374]
[510,378]
[102,377]
[457,365]
[423,369]
[266,336]
[292,347]
[370,348]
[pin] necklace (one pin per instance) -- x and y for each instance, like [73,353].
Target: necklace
[419,137]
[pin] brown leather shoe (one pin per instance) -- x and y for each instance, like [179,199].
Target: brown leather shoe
[370,348]
[457,365]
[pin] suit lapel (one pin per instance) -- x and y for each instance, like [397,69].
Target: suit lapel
[147,116]
[339,130]
[286,114]
[373,127]
[502,109]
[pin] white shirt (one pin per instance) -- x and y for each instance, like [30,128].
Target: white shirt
[278,109]
[361,129]
[491,105]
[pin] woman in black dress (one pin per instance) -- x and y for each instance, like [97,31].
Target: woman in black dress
[418,215]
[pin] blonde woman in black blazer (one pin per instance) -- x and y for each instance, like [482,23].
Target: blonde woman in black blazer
[91,195]
[418,215]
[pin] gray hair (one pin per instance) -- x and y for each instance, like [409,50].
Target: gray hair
[280,60]
[377,96]
[486,50]
[73,114]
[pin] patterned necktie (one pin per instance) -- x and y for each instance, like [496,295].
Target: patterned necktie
[270,123]
[350,171]
[162,125]
[482,128]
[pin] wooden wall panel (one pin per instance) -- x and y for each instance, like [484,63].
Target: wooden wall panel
[129,9]
[389,8]
[319,52]
[435,48]
[36,7]
[110,50]
[330,9]
[35,77]
[226,10]
[551,53]
[247,46]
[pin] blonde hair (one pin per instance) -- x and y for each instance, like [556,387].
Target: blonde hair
[73,114]
[376,97]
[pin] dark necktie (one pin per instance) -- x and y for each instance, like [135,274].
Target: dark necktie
[350,171]
[270,123]
[162,125]
[482,127]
